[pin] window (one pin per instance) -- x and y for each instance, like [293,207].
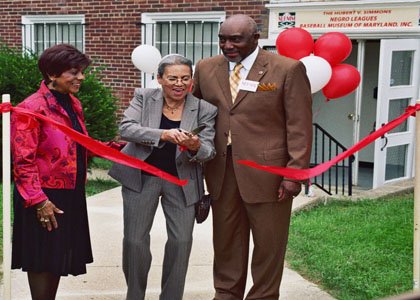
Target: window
[41,32]
[194,40]
[193,35]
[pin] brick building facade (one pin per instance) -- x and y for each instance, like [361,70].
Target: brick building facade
[113,28]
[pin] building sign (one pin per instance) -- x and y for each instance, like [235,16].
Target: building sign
[371,18]
[286,20]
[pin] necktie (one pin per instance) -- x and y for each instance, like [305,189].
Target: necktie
[234,80]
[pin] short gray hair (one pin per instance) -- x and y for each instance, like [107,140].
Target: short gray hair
[173,59]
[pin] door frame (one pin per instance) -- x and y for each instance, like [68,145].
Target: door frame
[386,93]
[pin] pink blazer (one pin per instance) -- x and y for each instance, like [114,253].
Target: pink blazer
[43,156]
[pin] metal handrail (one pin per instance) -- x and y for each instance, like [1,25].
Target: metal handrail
[339,177]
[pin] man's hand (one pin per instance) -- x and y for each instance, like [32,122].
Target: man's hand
[289,189]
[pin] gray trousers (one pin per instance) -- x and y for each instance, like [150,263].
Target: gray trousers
[139,212]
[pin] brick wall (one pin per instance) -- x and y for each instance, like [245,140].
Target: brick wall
[111,31]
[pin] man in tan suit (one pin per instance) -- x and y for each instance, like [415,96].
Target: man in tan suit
[269,121]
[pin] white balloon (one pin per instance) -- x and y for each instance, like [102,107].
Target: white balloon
[318,71]
[146,58]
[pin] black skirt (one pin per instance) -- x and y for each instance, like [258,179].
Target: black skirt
[62,251]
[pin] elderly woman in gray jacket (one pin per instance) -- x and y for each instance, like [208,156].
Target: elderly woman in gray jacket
[158,126]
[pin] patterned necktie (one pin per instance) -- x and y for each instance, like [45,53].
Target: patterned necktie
[234,80]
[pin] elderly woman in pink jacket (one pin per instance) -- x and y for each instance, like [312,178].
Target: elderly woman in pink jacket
[51,232]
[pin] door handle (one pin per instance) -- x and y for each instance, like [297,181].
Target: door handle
[351,116]
[384,137]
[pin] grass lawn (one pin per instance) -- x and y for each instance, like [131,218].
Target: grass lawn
[100,163]
[99,185]
[355,250]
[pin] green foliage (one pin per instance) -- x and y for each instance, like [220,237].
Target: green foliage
[99,106]
[355,250]
[99,185]
[101,163]
[20,77]
[19,74]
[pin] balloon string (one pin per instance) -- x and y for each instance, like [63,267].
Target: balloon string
[316,113]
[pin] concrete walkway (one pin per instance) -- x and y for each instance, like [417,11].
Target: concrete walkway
[105,280]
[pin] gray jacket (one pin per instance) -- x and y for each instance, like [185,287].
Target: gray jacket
[140,127]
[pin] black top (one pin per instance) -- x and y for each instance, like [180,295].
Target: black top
[65,102]
[164,158]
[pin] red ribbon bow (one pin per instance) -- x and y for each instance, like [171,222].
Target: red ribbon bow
[5,107]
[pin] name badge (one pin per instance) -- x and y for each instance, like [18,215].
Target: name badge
[248,85]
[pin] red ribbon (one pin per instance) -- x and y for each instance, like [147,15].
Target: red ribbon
[96,147]
[302,174]
[5,107]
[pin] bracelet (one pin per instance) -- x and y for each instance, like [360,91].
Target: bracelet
[43,206]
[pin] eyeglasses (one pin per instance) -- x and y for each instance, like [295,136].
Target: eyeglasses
[182,80]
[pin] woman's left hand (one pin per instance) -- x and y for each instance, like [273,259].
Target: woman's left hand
[46,215]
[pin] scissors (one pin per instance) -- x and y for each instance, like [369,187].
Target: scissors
[193,132]
[197,130]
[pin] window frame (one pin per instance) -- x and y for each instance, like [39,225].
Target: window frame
[149,38]
[28,32]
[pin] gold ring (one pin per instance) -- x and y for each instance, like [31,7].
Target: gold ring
[46,220]
[41,220]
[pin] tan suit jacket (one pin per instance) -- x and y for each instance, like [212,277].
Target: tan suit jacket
[272,128]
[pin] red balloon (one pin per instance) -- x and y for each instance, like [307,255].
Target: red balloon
[344,80]
[295,43]
[334,47]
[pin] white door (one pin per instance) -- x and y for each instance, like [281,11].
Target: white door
[398,86]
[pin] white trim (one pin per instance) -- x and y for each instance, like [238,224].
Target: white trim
[32,19]
[367,34]
[7,247]
[209,16]
[44,19]
[361,51]
[340,4]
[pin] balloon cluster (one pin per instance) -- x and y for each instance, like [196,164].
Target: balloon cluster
[322,60]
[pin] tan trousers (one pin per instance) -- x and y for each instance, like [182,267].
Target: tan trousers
[233,220]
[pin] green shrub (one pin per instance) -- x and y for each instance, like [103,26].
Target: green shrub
[19,74]
[20,77]
[99,106]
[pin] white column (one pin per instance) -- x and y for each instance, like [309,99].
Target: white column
[416,248]
[7,257]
